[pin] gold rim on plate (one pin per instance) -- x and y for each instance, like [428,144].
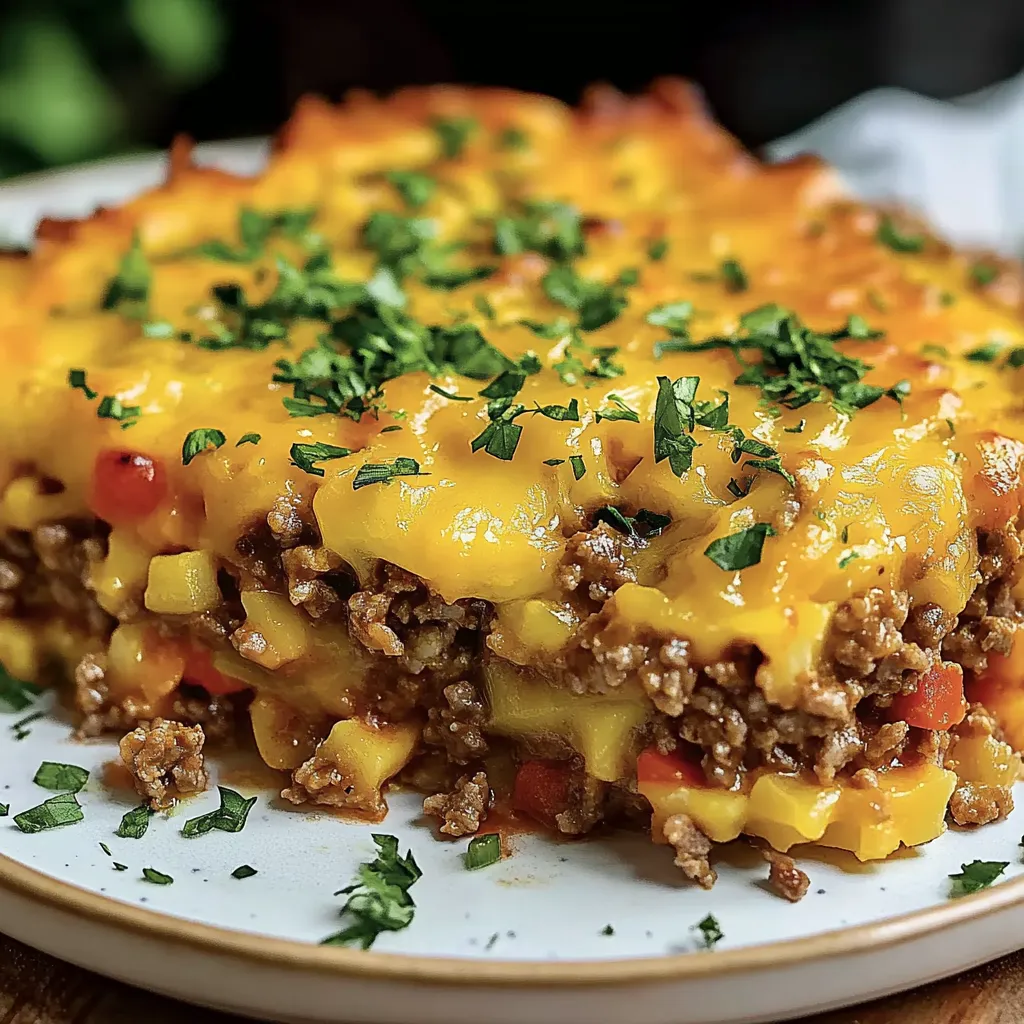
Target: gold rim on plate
[24,881]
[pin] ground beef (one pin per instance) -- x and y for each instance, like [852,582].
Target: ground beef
[692,849]
[464,808]
[320,781]
[458,726]
[884,743]
[978,805]
[785,878]
[585,809]
[165,760]
[595,562]
[315,579]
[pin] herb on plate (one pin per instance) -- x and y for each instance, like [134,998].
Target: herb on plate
[201,440]
[53,813]
[135,822]
[379,901]
[16,694]
[710,931]
[483,851]
[979,874]
[229,817]
[61,778]
[156,877]
[244,871]
[739,550]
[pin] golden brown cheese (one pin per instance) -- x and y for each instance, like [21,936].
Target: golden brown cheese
[889,496]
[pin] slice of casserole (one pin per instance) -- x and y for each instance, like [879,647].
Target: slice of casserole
[566,459]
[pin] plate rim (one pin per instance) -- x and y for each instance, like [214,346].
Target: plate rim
[22,880]
[334,961]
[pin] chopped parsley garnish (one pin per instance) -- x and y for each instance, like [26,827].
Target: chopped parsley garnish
[594,302]
[379,901]
[61,778]
[60,810]
[579,467]
[106,849]
[607,930]
[156,877]
[551,228]
[710,931]
[557,328]
[847,559]
[305,455]
[483,305]
[644,524]
[857,327]
[514,139]
[1015,358]
[618,410]
[111,408]
[244,871]
[415,188]
[16,694]
[158,329]
[254,231]
[657,249]
[454,133]
[229,817]
[76,379]
[798,429]
[483,851]
[796,363]
[987,353]
[128,291]
[739,550]
[5,809]
[450,395]
[247,439]
[899,241]
[120,867]
[674,419]
[673,316]
[734,276]
[983,274]
[200,440]
[554,462]
[979,874]
[134,823]
[385,472]
[18,728]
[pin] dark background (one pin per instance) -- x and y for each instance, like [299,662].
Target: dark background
[86,78]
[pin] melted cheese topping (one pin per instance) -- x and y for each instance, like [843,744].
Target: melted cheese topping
[900,489]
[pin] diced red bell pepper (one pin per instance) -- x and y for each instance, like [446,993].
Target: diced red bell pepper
[655,768]
[199,671]
[541,790]
[938,703]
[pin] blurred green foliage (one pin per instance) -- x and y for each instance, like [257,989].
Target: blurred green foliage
[84,78]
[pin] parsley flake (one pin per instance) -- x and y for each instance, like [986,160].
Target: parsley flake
[16,694]
[111,408]
[135,822]
[891,235]
[255,229]
[674,418]
[734,276]
[379,901]
[5,809]
[385,472]
[483,851]
[579,467]
[618,410]
[987,353]
[983,274]
[513,139]
[673,316]
[454,133]
[979,874]
[61,778]
[595,302]
[450,395]
[247,439]
[128,291]
[229,817]
[551,228]
[244,871]
[76,379]
[60,810]
[156,877]
[644,524]
[200,440]
[739,550]
[305,455]
[415,188]
[710,931]
[656,249]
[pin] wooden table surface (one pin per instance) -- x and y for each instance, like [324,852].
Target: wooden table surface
[36,989]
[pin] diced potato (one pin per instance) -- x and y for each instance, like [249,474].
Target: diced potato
[25,505]
[182,584]
[1001,690]
[120,579]
[600,728]
[274,632]
[284,737]
[908,807]
[719,813]
[366,756]
[19,649]
[143,665]
[786,810]
[983,760]
[530,627]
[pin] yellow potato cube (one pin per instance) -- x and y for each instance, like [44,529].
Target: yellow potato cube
[182,584]
[283,737]
[274,631]
[120,579]
[142,665]
[25,505]
[601,728]
[719,813]
[786,810]
[19,649]
[366,756]
[983,760]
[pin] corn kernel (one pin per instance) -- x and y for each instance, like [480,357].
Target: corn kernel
[182,584]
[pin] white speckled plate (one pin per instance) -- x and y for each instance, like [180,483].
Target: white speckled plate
[523,940]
